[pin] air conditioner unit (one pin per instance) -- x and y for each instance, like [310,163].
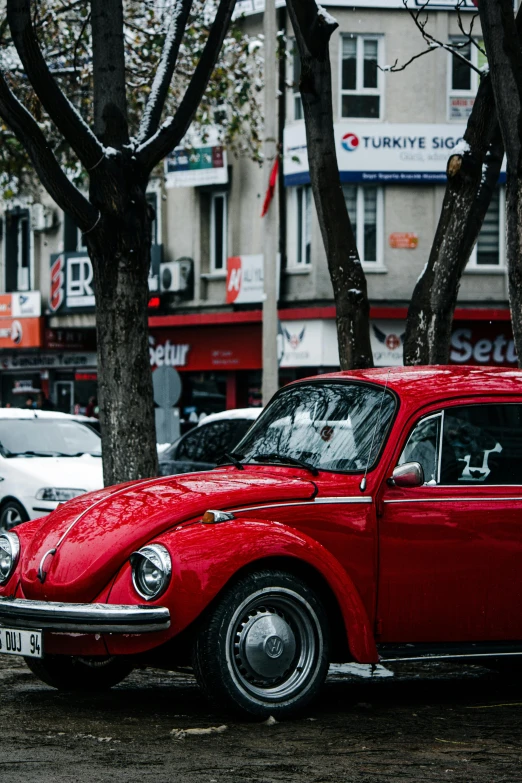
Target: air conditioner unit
[174,275]
[41,217]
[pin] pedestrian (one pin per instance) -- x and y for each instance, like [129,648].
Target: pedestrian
[30,403]
[44,403]
[92,409]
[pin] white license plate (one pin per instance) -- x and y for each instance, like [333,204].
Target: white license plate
[16,642]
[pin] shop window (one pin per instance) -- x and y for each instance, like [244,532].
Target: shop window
[365,208]
[18,250]
[463,80]
[489,252]
[296,76]
[361,79]
[218,231]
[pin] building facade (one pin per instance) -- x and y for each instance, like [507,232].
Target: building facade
[394,133]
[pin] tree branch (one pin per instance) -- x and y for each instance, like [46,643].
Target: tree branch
[108,65]
[58,185]
[60,110]
[171,132]
[163,77]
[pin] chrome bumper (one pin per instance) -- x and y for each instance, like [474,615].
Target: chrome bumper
[82,618]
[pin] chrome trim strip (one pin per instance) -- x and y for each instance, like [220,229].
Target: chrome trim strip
[315,501]
[83,618]
[441,656]
[450,500]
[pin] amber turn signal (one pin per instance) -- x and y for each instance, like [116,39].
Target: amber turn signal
[212,517]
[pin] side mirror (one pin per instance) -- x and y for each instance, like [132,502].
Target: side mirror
[410,474]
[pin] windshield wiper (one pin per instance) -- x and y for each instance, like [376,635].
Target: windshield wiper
[229,457]
[274,457]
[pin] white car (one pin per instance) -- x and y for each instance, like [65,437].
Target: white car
[46,458]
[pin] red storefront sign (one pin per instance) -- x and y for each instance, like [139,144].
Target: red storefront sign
[227,347]
[21,332]
[483,342]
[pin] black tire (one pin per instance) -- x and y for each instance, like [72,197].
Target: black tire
[264,649]
[69,673]
[12,514]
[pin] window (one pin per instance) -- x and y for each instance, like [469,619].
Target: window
[72,236]
[469,444]
[303,199]
[360,76]
[364,204]
[463,80]
[152,201]
[296,76]
[18,250]
[489,252]
[207,443]
[218,232]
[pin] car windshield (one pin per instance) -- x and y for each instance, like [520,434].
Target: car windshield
[47,437]
[329,426]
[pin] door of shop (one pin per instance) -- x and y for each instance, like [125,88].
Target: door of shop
[64,396]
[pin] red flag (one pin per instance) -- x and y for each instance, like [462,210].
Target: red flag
[269,195]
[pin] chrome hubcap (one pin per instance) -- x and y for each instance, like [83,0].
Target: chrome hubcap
[274,645]
[266,643]
[10,518]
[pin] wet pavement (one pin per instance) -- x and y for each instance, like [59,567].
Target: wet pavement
[428,722]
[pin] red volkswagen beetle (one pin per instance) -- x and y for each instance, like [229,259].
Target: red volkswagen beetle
[370,515]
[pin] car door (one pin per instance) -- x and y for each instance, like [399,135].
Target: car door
[451,549]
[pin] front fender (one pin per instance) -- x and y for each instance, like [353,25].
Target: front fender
[206,557]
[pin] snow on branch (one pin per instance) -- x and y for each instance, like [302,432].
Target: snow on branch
[167,64]
[168,136]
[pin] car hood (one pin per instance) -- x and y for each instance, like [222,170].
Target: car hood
[83,472]
[95,534]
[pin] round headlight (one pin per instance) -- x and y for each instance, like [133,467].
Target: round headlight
[9,552]
[151,570]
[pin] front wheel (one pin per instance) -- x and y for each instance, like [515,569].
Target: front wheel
[12,514]
[264,649]
[68,673]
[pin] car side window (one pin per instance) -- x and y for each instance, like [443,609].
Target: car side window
[206,443]
[484,442]
[423,447]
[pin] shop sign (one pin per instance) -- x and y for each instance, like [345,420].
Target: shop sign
[245,282]
[379,152]
[70,339]
[225,347]
[472,342]
[310,343]
[387,339]
[17,361]
[72,283]
[403,240]
[20,332]
[460,108]
[26,304]
[188,167]
[248,7]
[483,342]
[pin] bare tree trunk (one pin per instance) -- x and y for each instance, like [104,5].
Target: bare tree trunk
[505,61]
[120,254]
[313,29]
[472,177]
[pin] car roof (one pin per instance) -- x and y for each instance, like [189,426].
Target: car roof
[422,384]
[234,413]
[26,413]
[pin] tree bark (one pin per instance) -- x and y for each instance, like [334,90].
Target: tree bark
[472,178]
[505,62]
[109,96]
[119,249]
[313,29]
